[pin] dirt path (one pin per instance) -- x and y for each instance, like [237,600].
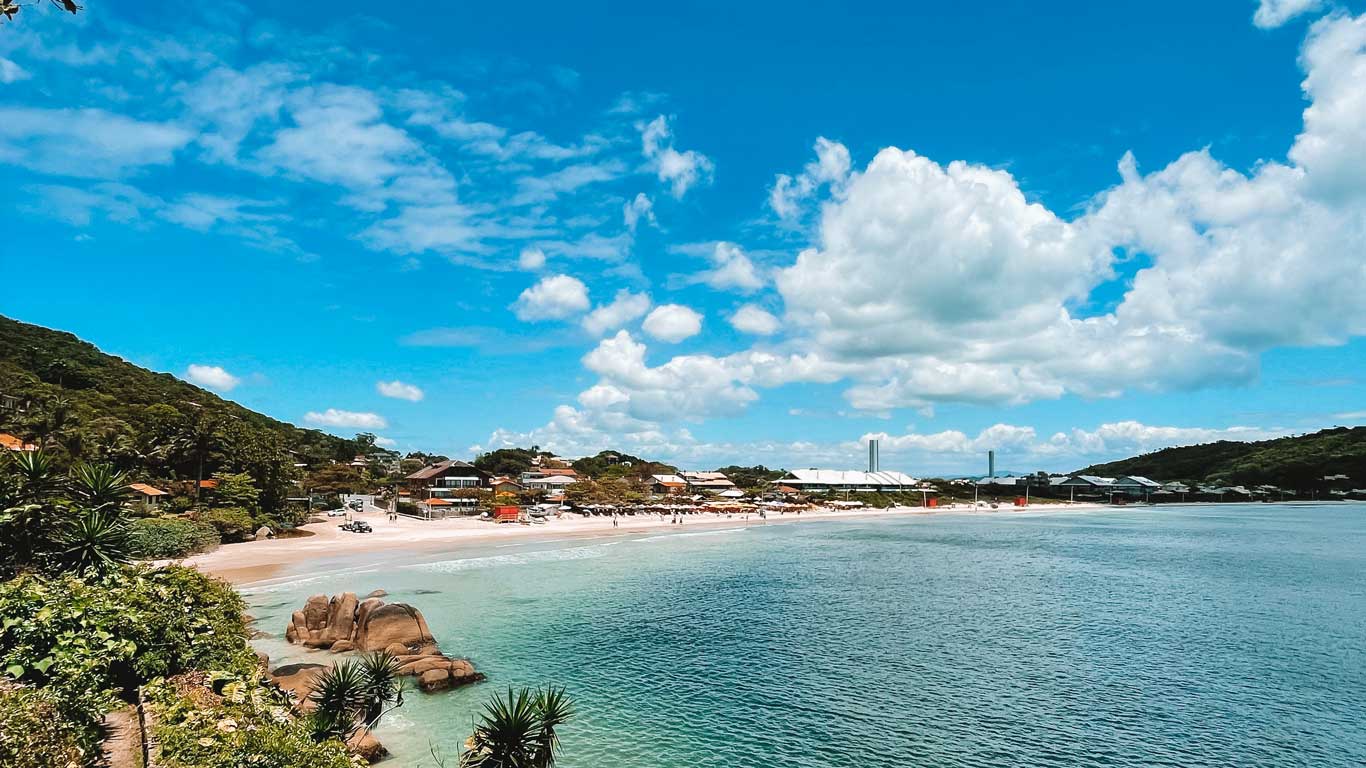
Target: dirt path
[122,747]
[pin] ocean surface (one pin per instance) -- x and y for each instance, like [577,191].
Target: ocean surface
[1195,636]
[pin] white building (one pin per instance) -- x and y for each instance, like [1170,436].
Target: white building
[824,480]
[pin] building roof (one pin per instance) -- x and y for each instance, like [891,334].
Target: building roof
[565,471]
[434,470]
[1132,480]
[15,444]
[846,477]
[552,480]
[707,479]
[1094,481]
[146,490]
[733,493]
[434,502]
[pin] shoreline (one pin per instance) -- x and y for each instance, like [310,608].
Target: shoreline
[248,563]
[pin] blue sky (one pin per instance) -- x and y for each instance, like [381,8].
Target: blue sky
[709,234]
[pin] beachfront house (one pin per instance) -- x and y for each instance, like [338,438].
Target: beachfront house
[444,480]
[147,496]
[706,482]
[846,480]
[540,473]
[505,485]
[668,485]
[553,485]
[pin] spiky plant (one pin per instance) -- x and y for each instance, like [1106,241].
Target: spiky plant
[519,731]
[94,540]
[99,484]
[339,698]
[384,685]
[36,475]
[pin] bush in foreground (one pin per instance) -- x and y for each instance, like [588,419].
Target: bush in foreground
[157,538]
[246,724]
[34,733]
[87,643]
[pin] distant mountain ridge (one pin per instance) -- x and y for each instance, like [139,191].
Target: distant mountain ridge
[103,391]
[1289,462]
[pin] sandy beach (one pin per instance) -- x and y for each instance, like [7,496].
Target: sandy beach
[254,561]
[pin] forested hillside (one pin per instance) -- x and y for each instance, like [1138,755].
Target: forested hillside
[79,403]
[1290,462]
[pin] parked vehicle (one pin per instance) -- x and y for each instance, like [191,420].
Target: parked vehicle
[357,526]
[339,512]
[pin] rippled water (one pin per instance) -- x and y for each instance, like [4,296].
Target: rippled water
[1229,636]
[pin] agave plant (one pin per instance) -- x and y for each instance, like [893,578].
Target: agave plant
[519,731]
[99,484]
[339,697]
[36,475]
[95,540]
[384,685]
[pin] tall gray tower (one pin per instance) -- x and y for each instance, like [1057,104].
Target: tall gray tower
[872,456]
[991,463]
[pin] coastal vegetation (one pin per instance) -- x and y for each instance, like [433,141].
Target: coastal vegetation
[1300,462]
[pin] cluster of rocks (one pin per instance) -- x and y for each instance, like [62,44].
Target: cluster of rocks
[346,623]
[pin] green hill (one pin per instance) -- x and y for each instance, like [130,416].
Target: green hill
[1289,462]
[81,403]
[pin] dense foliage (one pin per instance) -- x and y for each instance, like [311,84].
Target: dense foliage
[757,476]
[85,405]
[233,524]
[161,538]
[244,724]
[1297,463]
[506,461]
[615,465]
[33,733]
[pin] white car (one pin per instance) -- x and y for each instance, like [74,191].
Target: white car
[336,513]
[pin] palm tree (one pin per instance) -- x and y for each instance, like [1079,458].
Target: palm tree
[196,441]
[383,685]
[99,484]
[519,731]
[95,540]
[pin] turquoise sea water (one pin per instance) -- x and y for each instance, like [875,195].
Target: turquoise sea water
[1215,636]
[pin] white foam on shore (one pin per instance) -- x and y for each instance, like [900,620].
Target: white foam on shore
[498,561]
[290,582]
[681,535]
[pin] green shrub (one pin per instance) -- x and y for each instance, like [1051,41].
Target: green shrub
[248,725]
[34,732]
[88,642]
[164,537]
[232,523]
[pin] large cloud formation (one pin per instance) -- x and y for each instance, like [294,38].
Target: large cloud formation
[929,282]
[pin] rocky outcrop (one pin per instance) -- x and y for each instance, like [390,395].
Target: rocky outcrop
[343,623]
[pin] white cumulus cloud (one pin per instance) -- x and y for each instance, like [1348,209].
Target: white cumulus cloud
[754,320]
[673,323]
[625,307]
[680,170]
[211,377]
[531,259]
[552,298]
[399,390]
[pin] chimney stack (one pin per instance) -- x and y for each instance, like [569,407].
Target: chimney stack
[872,456]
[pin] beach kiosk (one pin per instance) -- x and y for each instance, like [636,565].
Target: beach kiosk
[506,514]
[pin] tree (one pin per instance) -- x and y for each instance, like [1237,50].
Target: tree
[236,489]
[10,8]
[335,479]
[505,461]
[194,442]
[95,540]
[519,731]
